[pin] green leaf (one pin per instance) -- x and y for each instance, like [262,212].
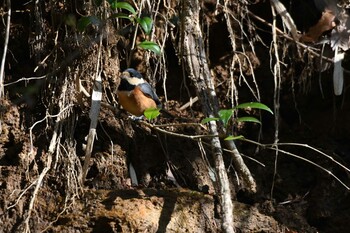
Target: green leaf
[122,5]
[225,115]
[151,113]
[248,119]
[146,23]
[234,137]
[254,105]
[149,45]
[86,21]
[206,120]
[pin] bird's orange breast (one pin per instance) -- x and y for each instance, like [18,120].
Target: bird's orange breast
[135,102]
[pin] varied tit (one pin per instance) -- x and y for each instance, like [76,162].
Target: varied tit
[135,94]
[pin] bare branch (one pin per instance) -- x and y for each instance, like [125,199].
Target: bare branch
[198,69]
[25,79]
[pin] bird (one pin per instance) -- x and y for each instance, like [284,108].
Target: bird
[136,95]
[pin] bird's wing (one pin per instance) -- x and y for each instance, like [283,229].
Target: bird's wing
[148,91]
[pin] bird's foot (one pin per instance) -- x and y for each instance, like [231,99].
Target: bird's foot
[136,118]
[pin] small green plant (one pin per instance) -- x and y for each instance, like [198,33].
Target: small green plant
[225,115]
[151,113]
[146,23]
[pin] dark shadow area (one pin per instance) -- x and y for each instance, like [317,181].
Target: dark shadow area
[104,225]
[165,216]
[124,194]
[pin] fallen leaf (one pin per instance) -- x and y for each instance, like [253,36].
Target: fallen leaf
[325,23]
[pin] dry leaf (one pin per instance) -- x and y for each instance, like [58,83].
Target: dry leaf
[326,23]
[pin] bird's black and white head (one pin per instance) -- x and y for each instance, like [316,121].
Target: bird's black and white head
[129,79]
[132,73]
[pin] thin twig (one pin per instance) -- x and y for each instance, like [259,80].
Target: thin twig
[7,35]
[311,162]
[189,103]
[197,138]
[36,191]
[21,195]
[25,79]
[272,147]
[192,137]
[39,121]
[316,150]
[179,124]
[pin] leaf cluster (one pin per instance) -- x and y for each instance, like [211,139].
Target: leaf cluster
[225,115]
[146,23]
